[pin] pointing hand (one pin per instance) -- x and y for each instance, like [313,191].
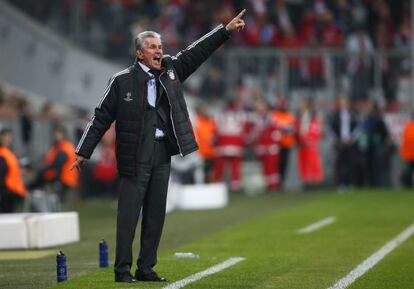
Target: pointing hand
[237,23]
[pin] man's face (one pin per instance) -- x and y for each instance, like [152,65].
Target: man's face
[152,53]
[7,139]
[343,103]
[58,136]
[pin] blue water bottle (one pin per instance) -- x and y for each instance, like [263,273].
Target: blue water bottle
[61,269]
[103,254]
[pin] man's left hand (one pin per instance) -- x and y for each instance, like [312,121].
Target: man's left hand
[237,23]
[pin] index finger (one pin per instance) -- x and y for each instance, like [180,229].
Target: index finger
[240,15]
[73,166]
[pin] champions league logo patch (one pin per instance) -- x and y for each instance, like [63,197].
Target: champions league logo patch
[171,74]
[128,97]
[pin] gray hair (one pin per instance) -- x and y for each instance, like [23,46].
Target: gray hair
[139,40]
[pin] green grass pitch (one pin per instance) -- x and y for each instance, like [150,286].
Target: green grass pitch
[262,229]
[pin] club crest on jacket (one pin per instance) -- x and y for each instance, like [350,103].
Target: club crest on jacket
[171,74]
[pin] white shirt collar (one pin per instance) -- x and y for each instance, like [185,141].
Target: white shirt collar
[144,67]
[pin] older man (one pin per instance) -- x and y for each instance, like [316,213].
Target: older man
[152,124]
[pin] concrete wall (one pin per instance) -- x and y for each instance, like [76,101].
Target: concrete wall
[34,59]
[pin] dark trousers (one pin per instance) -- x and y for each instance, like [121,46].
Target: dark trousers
[375,166]
[208,170]
[8,202]
[148,191]
[283,163]
[407,177]
[346,168]
[349,166]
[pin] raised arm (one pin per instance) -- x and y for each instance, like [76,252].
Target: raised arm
[188,60]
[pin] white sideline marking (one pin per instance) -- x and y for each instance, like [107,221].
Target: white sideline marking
[371,261]
[317,225]
[197,276]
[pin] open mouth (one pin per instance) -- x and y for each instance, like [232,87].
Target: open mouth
[157,59]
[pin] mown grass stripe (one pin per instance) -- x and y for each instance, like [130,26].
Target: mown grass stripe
[371,261]
[212,270]
[315,226]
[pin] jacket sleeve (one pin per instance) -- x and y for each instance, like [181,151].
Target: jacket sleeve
[102,119]
[188,60]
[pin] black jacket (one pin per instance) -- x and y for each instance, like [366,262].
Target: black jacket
[336,124]
[125,97]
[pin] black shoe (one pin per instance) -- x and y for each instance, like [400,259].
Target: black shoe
[149,277]
[124,277]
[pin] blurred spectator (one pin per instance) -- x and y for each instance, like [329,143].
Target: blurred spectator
[309,129]
[114,22]
[407,153]
[251,36]
[230,147]
[360,49]
[55,171]
[82,118]
[26,124]
[314,72]
[307,25]
[403,33]
[213,85]
[266,145]
[283,14]
[285,121]
[12,188]
[48,113]
[342,13]
[388,65]
[359,12]
[293,44]
[331,35]
[344,125]
[376,145]
[205,131]
[7,107]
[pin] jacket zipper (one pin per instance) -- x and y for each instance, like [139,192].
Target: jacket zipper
[172,121]
[141,102]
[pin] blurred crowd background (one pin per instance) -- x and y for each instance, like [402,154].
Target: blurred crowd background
[313,93]
[107,26]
